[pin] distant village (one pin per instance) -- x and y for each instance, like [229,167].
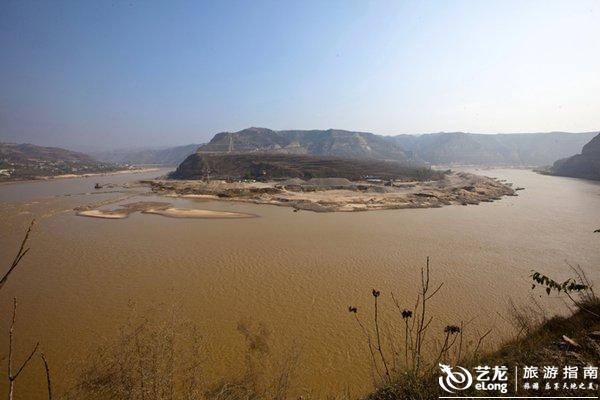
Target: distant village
[33,168]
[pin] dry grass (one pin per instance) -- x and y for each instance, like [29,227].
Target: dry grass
[163,360]
[150,360]
[264,376]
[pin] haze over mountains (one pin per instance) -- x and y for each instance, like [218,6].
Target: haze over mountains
[515,149]
[438,148]
[168,156]
[448,148]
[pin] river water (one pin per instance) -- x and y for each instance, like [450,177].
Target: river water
[295,273]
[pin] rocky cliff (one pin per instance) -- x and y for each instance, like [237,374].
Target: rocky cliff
[585,165]
[332,142]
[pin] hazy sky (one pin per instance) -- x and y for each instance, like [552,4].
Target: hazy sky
[108,74]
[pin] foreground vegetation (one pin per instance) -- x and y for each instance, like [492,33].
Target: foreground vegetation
[559,341]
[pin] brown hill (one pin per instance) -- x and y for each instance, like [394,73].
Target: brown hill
[28,161]
[272,166]
[332,142]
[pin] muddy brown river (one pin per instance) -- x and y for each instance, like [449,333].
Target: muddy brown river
[294,272]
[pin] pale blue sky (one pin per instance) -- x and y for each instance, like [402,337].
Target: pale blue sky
[110,74]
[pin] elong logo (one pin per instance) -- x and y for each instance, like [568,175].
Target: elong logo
[455,380]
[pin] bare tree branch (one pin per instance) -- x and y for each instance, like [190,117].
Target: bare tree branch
[11,332]
[480,341]
[10,347]
[379,349]
[20,254]
[27,360]
[48,381]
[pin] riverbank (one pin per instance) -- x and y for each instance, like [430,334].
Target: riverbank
[86,175]
[572,341]
[338,194]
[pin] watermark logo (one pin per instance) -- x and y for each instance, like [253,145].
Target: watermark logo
[455,380]
[529,381]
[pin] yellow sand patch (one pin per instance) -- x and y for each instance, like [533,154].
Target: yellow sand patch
[194,213]
[159,208]
[103,214]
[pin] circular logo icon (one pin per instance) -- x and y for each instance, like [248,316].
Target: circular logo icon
[455,380]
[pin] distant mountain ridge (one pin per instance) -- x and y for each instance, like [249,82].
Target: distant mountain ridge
[515,149]
[535,149]
[585,165]
[25,152]
[168,156]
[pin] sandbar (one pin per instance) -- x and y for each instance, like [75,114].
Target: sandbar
[195,213]
[159,208]
[103,214]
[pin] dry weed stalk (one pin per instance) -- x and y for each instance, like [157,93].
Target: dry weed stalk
[415,327]
[151,360]
[20,254]
[11,375]
[376,294]
[422,326]
[48,381]
[365,332]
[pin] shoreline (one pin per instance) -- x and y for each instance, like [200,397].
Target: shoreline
[75,176]
[338,195]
